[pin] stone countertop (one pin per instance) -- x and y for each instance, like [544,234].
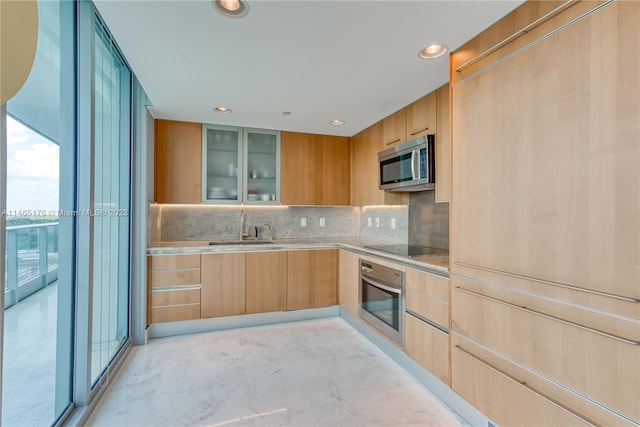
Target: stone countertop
[435,264]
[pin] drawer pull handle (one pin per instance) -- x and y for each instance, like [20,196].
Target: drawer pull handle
[427,321]
[418,131]
[527,386]
[391,142]
[548,316]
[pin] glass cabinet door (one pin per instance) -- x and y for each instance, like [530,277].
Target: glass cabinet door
[263,160]
[222,158]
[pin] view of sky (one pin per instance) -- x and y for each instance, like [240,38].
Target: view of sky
[32,169]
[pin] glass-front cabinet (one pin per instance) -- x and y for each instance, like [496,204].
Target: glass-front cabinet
[240,165]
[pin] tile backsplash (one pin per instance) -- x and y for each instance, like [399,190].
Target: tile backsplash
[199,222]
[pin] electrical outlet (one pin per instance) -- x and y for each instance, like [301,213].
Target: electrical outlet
[369,222]
[393,223]
[321,222]
[377,222]
[303,222]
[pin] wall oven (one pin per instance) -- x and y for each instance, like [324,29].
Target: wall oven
[382,299]
[409,166]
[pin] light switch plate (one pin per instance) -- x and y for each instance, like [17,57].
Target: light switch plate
[377,222]
[369,222]
[321,222]
[393,223]
[303,222]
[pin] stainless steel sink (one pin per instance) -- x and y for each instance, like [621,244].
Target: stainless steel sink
[241,242]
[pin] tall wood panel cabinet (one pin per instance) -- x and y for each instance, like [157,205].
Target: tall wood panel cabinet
[178,162]
[333,170]
[546,218]
[364,167]
[298,170]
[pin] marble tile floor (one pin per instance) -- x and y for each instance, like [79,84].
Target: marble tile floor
[311,373]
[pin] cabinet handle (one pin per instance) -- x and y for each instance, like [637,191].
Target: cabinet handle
[427,321]
[527,386]
[548,316]
[392,142]
[418,131]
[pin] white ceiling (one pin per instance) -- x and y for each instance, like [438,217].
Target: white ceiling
[321,60]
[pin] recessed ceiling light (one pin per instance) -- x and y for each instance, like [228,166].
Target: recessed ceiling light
[223,110]
[286,113]
[336,122]
[231,8]
[433,51]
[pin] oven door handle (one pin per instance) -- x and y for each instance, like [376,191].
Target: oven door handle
[381,285]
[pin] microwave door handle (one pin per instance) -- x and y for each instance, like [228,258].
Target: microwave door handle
[413,164]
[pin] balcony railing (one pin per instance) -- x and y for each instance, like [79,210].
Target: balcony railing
[31,260]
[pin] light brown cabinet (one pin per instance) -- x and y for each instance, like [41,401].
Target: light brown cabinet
[349,282]
[443,145]
[394,129]
[312,278]
[266,281]
[428,346]
[174,288]
[298,168]
[315,169]
[364,167]
[421,117]
[223,284]
[178,162]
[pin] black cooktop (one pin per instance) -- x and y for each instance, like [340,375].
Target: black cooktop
[408,250]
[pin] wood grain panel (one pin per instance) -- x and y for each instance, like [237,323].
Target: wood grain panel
[174,262]
[297,168]
[175,313]
[421,117]
[175,278]
[428,307]
[333,174]
[428,346]
[266,281]
[443,145]
[350,282]
[312,278]
[223,284]
[178,162]
[394,129]
[175,297]
[364,167]
[431,284]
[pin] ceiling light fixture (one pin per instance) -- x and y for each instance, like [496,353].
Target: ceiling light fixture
[286,113]
[223,110]
[433,51]
[231,8]
[336,122]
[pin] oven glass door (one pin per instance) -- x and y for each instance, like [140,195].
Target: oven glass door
[382,304]
[396,169]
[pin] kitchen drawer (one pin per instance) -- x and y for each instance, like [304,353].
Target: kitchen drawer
[175,262]
[160,298]
[428,346]
[175,313]
[427,283]
[428,307]
[175,278]
[502,396]
[589,362]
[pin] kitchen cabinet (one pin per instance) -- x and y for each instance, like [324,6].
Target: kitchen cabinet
[394,129]
[240,165]
[223,284]
[315,169]
[427,295]
[298,171]
[364,167]
[544,261]
[349,282]
[429,346]
[333,169]
[174,285]
[312,278]
[177,160]
[443,145]
[421,117]
[266,281]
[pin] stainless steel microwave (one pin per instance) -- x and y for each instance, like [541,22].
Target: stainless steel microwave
[409,166]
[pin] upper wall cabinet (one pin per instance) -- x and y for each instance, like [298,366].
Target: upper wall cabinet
[364,167]
[421,117]
[177,162]
[443,145]
[240,165]
[394,129]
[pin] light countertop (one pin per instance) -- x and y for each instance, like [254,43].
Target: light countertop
[438,264]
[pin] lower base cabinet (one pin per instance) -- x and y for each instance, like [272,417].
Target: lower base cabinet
[428,346]
[349,282]
[312,278]
[223,284]
[266,281]
[174,288]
